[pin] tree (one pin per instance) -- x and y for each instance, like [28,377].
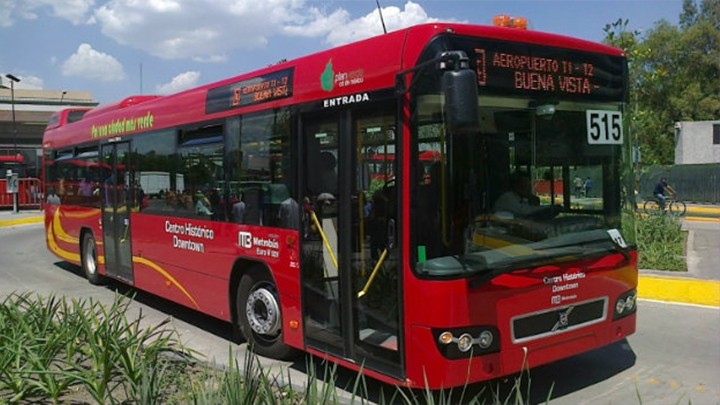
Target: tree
[674,75]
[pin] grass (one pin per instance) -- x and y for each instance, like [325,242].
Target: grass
[54,350]
[660,242]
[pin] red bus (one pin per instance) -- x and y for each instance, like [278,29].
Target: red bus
[267,220]
[14,163]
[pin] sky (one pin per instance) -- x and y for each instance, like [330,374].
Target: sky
[117,48]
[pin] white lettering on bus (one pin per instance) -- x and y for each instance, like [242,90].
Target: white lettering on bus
[564,287]
[564,278]
[190,230]
[188,245]
[343,100]
[268,243]
[573,276]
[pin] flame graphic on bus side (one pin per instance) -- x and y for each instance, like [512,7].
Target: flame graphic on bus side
[167,276]
[52,233]
[56,232]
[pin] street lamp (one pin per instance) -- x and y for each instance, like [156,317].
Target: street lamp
[13,80]
[62,97]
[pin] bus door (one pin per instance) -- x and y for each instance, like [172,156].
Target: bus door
[116,204]
[349,268]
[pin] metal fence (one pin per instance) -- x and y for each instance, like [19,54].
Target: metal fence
[29,194]
[694,183]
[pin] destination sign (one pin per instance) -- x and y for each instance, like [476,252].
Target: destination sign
[261,89]
[513,68]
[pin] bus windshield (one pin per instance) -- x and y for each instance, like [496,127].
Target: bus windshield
[539,182]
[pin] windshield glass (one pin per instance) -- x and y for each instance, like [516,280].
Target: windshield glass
[539,182]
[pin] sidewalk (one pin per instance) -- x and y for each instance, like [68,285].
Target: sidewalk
[699,285]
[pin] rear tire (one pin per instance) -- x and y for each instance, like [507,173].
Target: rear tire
[259,316]
[88,259]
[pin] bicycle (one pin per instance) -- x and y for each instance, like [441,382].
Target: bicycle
[676,207]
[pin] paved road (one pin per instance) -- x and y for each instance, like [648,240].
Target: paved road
[673,357]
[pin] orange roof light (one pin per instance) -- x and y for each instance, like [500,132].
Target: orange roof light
[504,20]
[520,23]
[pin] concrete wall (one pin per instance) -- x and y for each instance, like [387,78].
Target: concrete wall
[694,142]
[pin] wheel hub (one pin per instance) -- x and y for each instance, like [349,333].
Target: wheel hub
[263,312]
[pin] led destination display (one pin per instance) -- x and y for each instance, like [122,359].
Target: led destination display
[268,87]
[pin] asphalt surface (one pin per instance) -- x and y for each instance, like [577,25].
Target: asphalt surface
[699,285]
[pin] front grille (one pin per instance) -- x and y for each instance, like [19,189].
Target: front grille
[558,320]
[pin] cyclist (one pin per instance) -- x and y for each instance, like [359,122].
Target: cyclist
[659,192]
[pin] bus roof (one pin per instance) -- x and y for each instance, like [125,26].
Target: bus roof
[338,75]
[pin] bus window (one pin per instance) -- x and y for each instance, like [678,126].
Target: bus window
[201,154]
[260,178]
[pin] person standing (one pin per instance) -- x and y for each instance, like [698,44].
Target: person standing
[588,186]
[578,183]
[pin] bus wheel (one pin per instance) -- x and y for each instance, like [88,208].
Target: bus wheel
[259,318]
[89,260]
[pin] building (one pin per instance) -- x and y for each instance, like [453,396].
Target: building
[697,142]
[32,111]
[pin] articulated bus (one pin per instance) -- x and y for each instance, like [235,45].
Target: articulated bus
[419,277]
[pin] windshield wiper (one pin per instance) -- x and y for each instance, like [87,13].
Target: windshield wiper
[541,260]
[507,267]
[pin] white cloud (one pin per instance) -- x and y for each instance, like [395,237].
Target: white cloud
[75,11]
[26,81]
[180,29]
[30,82]
[207,30]
[370,25]
[91,64]
[181,82]
[6,11]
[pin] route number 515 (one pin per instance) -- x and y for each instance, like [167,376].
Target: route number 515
[604,127]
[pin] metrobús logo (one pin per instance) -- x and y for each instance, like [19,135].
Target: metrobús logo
[264,247]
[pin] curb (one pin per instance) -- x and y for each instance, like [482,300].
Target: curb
[21,221]
[679,289]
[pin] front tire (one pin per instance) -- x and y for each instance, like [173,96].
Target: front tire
[89,260]
[259,316]
[678,208]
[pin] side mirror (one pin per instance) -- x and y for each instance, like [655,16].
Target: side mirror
[459,88]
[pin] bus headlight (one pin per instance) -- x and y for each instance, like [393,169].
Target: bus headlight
[465,342]
[620,306]
[625,305]
[485,339]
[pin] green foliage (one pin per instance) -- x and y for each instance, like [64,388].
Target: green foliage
[660,242]
[674,75]
[57,351]
[51,348]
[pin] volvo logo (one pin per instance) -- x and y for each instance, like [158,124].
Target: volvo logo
[563,319]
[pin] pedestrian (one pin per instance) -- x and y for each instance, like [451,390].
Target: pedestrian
[588,186]
[578,183]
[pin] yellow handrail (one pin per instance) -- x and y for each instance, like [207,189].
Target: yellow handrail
[324,238]
[373,274]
